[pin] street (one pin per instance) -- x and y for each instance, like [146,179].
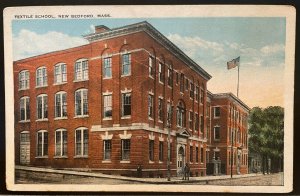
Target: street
[261,180]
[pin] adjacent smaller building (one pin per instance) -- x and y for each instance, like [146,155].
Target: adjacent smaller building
[227,133]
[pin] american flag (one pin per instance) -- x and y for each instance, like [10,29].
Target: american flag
[233,63]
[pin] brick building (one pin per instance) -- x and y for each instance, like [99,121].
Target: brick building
[104,106]
[227,125]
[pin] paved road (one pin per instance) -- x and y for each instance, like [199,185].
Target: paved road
[262,180]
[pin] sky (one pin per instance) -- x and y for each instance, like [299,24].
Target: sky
[210,42]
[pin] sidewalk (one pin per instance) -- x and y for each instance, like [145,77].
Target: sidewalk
[174,180]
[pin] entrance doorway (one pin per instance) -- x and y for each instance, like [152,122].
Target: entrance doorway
[24,148]
[180,159]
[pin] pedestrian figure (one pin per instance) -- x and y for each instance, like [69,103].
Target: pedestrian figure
[186,172]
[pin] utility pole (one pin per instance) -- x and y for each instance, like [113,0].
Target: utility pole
[169,135]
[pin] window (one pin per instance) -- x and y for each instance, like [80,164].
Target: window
[217,112]
[180,115]
[126,104]
[238,136]
[81,102]
[229,158]
[151,150]
[42,106]
[207,111]
[201,155]
[201,95]
[81,70]
[161,151]
[217,155]
[107,67]
[170,76]
[24,136]
[107,149]
[81,142]
[161,72]
[201,123]
[125,149]
[61,139]
[126,64]
[42,143]
[191,154]
[181,83]
[169,113]
[177,78]
[186,84]
[24,109]
[150,106]
[192,90]
[196,122]
[151,69]
[197,154]
[207,156]
[60,104]
[217,132]
[41,77]
[60,73]
[107,106]
[191,116]
[160,109]
[24,80]
[197,93]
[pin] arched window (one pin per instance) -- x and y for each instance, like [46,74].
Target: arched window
[180,114]
[81,70]
[81,102]
[41,77]
[107,66]
[126,63]
[42,143]
[42,106]
[61,139]
[61,104]
[81,141]
[24,80]
[60,73]
[24,109]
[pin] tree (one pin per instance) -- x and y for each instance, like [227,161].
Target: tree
[266,133]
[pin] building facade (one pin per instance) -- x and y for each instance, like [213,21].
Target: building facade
[227,133]
[108,106]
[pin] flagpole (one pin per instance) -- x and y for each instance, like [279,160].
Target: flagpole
[237,93]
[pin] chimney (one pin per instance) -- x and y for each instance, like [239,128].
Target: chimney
[101,28]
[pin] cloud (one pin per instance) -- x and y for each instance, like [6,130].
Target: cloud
[272,49]
[28,43]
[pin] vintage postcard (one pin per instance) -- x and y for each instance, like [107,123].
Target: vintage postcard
[171,98]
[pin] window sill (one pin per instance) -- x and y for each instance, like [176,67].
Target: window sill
[151,162]
[83,116]
[61,118]
[23,89]
[170,87]
[107,118]
[106,161]
[150,118]
[126,117]
[81,80]
[160,162]
[216,117]
[41,86]
[24,121]
[217,140]
[191,163]
[125,75]
[160,121]
[41,120]
[60,157]
[160,82]
[151,77]
[107,78]
[41,157]
[81,157]
[56,84]
[124,161]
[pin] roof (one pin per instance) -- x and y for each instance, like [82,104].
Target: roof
[232,97]
[154,33]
